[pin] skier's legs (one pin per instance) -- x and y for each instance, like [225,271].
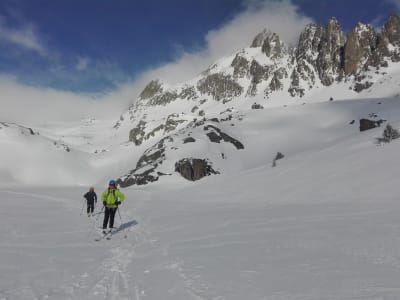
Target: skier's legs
[107,214]
[112,215]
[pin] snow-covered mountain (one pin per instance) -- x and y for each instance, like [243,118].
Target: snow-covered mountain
[201,126]
[301,201]
[203,118]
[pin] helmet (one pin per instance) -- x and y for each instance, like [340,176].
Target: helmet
[112,182]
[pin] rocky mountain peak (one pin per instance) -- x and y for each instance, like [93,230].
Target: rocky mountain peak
[151,89]
[273,47]
[361,43]
[260,38]
[391,30]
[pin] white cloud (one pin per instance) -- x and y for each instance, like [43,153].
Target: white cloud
[281,17]
[25,37]
[32,105]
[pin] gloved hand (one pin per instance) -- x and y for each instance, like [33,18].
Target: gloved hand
[118,203]
[104,203]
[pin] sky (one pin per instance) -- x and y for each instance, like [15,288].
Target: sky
[104,52]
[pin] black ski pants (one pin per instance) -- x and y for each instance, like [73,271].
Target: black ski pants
[109,214]
[90,207]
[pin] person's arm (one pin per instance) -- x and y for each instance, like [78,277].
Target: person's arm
[104,197]
[95,197]
[121,196]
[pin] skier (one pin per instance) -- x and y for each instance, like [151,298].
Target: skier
[111,197]
[91,200]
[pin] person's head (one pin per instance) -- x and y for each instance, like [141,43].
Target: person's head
[91,189]
[112,184]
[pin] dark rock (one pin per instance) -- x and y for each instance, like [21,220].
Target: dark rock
[219,86]
[194,169]
[240,66]
[153,88]
[358,86]
[257,106]
[272,46]
[216,135]
[260,38]
[188,140]
[137,134]
[188,93]
[360,45]
[366,124]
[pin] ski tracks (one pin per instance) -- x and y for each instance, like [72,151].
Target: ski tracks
[115,281]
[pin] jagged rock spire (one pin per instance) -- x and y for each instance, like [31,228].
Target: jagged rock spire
[359,48]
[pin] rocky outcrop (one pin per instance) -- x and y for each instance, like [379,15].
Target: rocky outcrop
[366,124]
[273,47]
[145,171]
[257,106]
[189,139]
[360,46]
[258,73]
[153,88]
[219,86]
[322,48]
[216,136]
[258,41]
[188,93]
[240,66]
[194,169]
[137,134]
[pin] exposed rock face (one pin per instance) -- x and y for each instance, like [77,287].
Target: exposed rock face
[257,106]
[216,136]
[390,35]
[366,124]
[240,66]
[189,140]
[330,57]
[391,30]
[257,74]
[164,98]
[188,93]
[153,88]
[145,170]
[359,48]
[322,48]
[220,86]
[272,46]
[137,134]
[260,38]
[194,169]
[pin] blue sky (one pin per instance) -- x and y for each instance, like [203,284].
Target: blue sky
[97,45]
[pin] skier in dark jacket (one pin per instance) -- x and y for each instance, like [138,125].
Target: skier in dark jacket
[91,200]
[111,197]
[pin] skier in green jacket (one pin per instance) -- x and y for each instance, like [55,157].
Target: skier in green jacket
[111,198]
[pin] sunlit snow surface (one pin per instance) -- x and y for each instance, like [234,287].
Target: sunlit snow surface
[323,224]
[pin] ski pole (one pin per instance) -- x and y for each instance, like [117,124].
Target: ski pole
[119,214]
[125,235]
[83,206]
[95,221]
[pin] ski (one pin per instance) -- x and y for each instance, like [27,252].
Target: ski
[103,236]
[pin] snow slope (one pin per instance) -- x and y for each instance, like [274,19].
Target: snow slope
[322,224]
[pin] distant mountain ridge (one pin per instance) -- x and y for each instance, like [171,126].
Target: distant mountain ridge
[268,69]
[324,54]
